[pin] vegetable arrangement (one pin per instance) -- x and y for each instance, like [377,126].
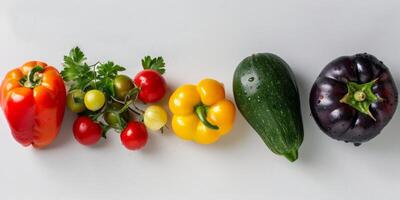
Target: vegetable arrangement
[267,96]
[353,98]
[105,99]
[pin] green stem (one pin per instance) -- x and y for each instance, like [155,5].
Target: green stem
[105,129]
[94,76]
[138,109]
[96,116]
[33,78]
[130,109]
[125,107]
[361,96]
[121,121]
[292,156]
[201,112]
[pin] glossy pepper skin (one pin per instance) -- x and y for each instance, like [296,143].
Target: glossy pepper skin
[201,113]
[33,100]
[354,98]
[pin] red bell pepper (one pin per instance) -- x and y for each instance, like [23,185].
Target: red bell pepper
[33,100]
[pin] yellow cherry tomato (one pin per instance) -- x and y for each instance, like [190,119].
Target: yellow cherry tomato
[155,117]
[201,112]
[94,100]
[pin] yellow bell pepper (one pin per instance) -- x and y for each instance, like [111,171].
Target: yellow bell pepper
[201,113]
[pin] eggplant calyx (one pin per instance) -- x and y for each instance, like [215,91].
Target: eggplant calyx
[361,96]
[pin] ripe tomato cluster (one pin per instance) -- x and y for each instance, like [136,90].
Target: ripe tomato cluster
[106,100]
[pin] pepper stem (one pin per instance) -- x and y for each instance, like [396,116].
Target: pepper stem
[201,112]
[34,77]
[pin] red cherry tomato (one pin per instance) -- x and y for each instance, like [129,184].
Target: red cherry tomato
[152,85]
[134,136]
[86,131]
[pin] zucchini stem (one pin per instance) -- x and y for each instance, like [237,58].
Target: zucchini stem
[292,156]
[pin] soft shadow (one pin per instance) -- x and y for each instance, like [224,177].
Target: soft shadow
[310,146]
[153,144]
[102,143]
[240,131]
[155,137]
[388,139]
[385,147]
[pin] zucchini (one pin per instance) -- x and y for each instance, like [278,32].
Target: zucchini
[266,94]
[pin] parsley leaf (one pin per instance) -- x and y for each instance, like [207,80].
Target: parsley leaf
[76,71]
[157,64]
[80,75]
[106,73]
[109,70]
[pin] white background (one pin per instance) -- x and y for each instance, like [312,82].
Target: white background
[200,39]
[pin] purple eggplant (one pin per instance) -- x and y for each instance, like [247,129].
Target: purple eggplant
[353,98]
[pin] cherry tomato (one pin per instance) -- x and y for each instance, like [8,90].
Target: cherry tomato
[122,85]
[152,85]
[134,136]
[86,131]
[155,117]
[112,118]
[75,101]
[94,100]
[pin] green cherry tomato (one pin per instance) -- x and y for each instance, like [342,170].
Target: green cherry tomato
[94,100]
[155,117]
[111,116]
[75,101]
[112,119]
[122,85]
